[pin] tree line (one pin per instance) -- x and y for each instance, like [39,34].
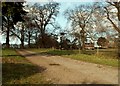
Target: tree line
[34,22]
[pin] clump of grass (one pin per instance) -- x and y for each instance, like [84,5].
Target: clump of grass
[60,52]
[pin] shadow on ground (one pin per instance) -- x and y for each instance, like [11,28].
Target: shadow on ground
[12,71]
[11,56]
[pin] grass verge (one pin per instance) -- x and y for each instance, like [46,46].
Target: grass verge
[105,57]
[18,70]
[94,59]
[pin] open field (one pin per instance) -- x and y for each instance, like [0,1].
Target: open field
[104,57]
[18,70]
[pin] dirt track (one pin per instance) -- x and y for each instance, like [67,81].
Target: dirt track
[62,70]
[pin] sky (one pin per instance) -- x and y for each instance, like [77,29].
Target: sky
[63,0]
[64,4]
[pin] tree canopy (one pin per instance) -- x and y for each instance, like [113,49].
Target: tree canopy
[12,12]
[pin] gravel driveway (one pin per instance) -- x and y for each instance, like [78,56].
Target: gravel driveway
[62,70]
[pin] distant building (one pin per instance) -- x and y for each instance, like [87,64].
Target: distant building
[89,46]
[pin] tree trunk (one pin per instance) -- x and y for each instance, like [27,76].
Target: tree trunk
[83,39]
[36,40]
[119,46]
[7,38]
[83,46]
[7,35]
[43,40]
[119,32]
[22,37]
[29,39]
[119,39]
[22,43]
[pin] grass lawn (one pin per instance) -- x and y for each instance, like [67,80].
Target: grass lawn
[18,70]
[105,56]
[95,59]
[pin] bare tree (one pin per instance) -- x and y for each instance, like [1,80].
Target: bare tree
[30,29]
[117,6]
[80,17]
[19,32]
[44,15]
[116,26]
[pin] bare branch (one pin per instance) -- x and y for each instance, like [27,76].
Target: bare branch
[108,17]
